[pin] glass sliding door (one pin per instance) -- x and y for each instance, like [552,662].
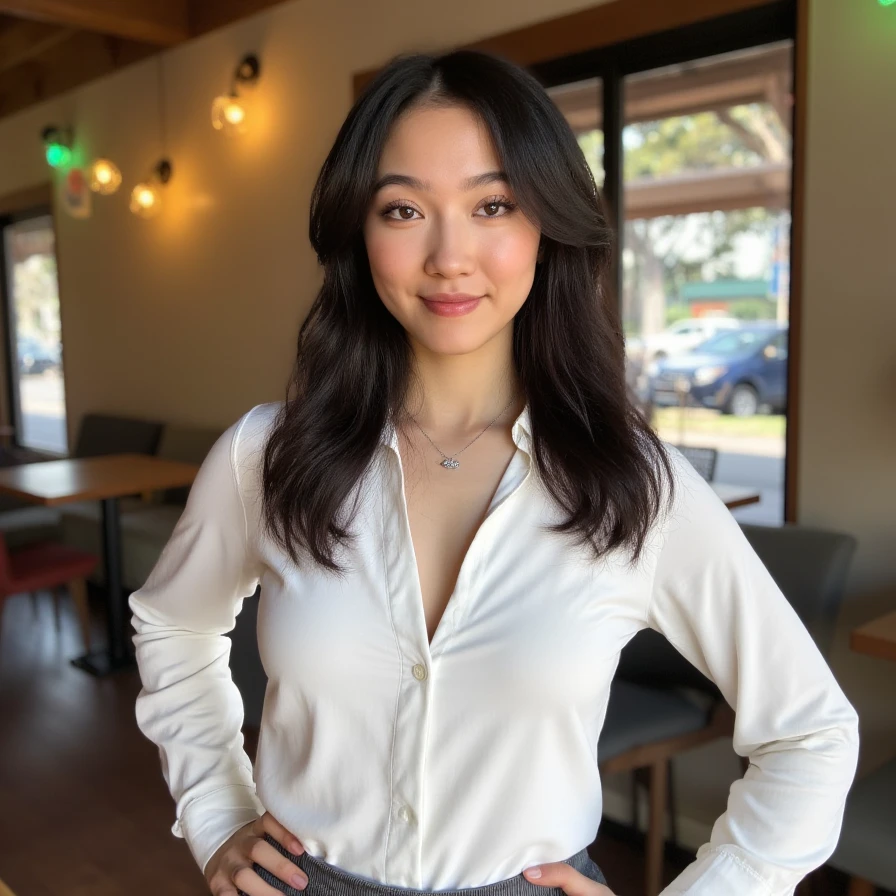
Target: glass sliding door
[705,302]
[34,344]
[689,134]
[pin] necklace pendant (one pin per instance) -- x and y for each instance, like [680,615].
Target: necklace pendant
[450,463]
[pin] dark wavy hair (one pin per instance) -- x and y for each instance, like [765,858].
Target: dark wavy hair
[594,451]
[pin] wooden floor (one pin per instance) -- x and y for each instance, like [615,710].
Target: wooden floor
[85,809]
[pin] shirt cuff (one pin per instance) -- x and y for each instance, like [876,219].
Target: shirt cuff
[206,822]
[727,871]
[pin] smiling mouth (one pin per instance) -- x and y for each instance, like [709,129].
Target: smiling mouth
[454,306]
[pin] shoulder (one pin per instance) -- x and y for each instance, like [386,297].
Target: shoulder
[250,432]
[696,510]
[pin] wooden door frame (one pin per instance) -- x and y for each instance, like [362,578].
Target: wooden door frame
[622,20]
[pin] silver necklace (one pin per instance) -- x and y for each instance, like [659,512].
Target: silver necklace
[451,463]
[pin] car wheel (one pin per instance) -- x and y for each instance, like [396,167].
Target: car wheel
[743,401]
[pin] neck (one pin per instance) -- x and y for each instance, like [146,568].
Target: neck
[461,393]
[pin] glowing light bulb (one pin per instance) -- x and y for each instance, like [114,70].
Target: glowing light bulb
[146,200]
[58,155]
[229,115]
[104,177]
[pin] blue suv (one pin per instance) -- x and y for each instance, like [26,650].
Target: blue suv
[734,372]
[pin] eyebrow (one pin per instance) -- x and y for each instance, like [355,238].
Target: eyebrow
[471,183]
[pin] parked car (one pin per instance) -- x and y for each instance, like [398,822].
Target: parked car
[736,372]
[36,356]
[680,337]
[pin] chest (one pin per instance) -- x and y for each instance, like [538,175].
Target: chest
[463,577]
[446,508]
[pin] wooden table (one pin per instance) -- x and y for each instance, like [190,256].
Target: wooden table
[736,495]
[104,479]
[876,638]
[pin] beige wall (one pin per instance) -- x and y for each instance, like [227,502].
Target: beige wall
[193,317]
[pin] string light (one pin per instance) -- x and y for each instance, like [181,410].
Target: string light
[146,197]
[229,113]
[104,177]
[57,145]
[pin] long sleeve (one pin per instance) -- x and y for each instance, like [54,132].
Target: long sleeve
[189,705]
[716,602]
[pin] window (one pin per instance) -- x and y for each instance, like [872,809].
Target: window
[695,127]
[34,340]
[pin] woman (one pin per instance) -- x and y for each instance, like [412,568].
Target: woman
[458,521]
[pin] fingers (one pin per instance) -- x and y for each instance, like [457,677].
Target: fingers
[241,878]
[564,876]
[286,838]
[279,865]
[236,872]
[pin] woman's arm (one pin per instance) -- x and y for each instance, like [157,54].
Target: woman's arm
[719,606]
[189,705]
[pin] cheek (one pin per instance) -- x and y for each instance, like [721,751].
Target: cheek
[510,257]
[387,256]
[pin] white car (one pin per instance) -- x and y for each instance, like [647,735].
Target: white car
[680,338]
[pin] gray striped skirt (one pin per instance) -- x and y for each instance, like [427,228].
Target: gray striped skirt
[328,880]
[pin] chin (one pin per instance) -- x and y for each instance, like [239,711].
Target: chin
[450,343]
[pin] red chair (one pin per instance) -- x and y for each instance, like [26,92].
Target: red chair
[48,564]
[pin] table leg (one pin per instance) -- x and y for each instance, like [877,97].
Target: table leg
[116,655]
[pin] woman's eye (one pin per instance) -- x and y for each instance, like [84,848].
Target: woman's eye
[399,208]
[499,203]
[406,212]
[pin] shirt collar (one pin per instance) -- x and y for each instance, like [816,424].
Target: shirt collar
[521,432]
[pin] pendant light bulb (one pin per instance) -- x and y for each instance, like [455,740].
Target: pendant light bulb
[146,197]
[104,177]
[57,145]
[229,111]
[146,201]
[229,115]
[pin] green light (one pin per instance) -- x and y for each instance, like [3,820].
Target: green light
[886,2]
[58,155]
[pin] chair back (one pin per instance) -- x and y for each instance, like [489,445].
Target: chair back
[809,565]
[189,444]
[101,434]
[703,460]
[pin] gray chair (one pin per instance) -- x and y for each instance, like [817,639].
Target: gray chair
[703,460]
[867,839]
[660,705]
[108,434]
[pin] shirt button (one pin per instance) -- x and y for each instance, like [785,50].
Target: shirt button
[419,671]
[404,813]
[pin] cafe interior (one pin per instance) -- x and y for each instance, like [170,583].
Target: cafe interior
[156,168]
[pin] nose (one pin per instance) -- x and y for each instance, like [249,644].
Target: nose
[451,250]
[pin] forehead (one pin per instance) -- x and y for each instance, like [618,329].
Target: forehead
[440,145]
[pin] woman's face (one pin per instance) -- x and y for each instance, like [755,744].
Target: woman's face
[433,232]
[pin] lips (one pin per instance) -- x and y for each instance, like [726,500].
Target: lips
[450,297]
[451,304]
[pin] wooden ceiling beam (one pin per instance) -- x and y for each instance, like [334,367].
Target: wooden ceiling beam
[158,22]
[207,16]
[82,58]
[22,41]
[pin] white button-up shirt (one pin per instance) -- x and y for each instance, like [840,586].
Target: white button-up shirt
[461,762]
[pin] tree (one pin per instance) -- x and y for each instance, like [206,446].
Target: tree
[663,253]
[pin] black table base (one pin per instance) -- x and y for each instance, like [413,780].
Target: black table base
[100,663]
[117,654]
